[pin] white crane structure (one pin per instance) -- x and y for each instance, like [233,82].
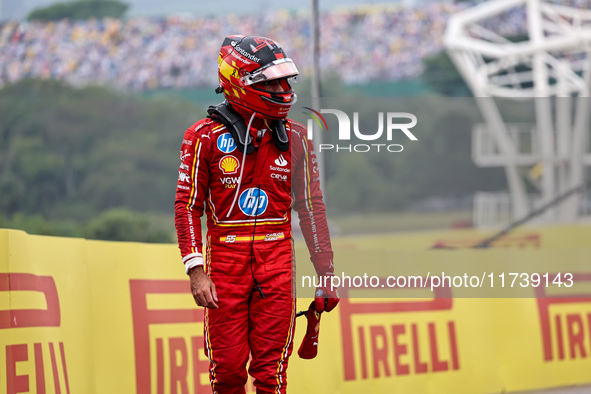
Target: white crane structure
[551,70]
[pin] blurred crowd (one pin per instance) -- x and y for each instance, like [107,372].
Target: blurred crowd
[371,43]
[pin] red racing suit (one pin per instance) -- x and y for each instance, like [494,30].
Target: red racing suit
[249,244]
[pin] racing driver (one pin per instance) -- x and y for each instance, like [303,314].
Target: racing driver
[247,166]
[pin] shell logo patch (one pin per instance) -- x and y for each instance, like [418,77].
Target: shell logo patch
[229,165]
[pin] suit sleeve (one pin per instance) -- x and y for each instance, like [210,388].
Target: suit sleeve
[191,192]
[309,203]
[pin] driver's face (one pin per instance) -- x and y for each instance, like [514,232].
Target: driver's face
[273,85]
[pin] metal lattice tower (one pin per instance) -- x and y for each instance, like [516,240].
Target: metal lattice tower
[551,68]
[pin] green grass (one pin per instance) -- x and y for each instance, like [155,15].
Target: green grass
[400,222]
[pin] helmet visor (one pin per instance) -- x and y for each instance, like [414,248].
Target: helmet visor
[280,68]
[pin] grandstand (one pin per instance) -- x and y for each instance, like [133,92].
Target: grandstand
[179,51]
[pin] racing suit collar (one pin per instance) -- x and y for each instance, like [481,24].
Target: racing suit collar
[257,123]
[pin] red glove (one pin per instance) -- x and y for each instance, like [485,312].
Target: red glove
[309,347]
[326,298]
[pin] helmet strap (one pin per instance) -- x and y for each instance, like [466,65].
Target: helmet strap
[280,137]
[234,123]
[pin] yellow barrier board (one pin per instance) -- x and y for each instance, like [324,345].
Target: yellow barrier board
[46,320]
[79,316]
